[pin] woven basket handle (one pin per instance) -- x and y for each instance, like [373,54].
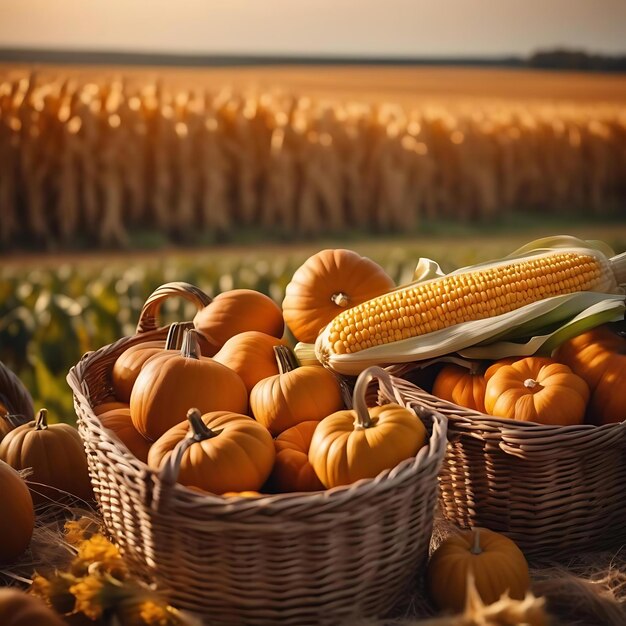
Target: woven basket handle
[365,378]
[150,311]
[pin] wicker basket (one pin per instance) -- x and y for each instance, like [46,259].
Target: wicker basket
[553,489]
[291,558]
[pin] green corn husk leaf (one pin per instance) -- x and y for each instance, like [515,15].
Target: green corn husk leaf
[544,344]
[540,325]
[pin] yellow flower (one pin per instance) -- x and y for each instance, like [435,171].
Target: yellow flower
[80,530]
[99,550]
[40,586]
[88,594]
[153,614]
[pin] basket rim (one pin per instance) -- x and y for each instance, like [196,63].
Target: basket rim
[460,415]
[430,454]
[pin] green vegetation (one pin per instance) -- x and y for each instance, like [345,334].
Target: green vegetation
[53,310]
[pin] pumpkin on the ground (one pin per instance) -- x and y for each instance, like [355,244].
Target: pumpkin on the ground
[296,394]
[172,382]
[464,386]
[599,358]
[225,452]
[17,520]
[251,355]
[539,390]
[18,608]
[56,456]
[292,469]
[328,283]
[120,422]
[496,563]
[236,311]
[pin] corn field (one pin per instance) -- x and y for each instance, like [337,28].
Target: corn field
[96,162]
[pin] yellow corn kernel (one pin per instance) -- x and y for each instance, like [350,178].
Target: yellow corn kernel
[463,297]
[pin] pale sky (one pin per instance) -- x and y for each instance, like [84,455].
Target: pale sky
[316,27]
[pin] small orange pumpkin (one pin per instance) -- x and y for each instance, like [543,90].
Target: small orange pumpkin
[292,469]
[106,407]
[56,456]
[296,394]
[18,516]
[251,355]
[350,445]
[128,365]
[599,358]
[464,386]
[119,421]
[496,564]
[236,311]
[328,283]
[18,608]
[170,382]
[538,390]
[225,452]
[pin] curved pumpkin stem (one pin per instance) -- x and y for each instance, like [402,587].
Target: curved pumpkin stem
[340,299]
[200,430]
[176,335]
[41,422]
[476,549]
[531,383]
[191,346]
[286,359]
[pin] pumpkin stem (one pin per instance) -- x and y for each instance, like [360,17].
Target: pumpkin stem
[286,359]
[41,422]
[191,347]
[530,383]
[363,419]
[476,549]
[176,334]
[340,299]
[199,429]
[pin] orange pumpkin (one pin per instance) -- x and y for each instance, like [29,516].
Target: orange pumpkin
[106,407]
[18,608]
[599,358]
[128,365]
[328,283]
[296,394]
[169,383]
[225,452]
[236,311]
[56,456]
[496,564]
[18,517]
[350,445]
[10,422]
[119,421]
[292,469]
[251,355]
[462,385]
[537,390]
[496,365]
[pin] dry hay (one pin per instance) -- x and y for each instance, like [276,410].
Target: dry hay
[584,590]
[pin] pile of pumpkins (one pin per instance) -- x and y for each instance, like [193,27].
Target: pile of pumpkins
[577,385]
[234,365]
[51,455]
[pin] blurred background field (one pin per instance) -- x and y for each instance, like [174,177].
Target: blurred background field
[222,143]
[53,309]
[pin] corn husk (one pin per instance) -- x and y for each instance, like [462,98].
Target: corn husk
[537,327]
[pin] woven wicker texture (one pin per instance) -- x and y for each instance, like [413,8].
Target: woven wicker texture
[552,489]
[314,558]
[13,395]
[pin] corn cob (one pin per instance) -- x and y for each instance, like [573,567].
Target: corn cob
[409,313]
